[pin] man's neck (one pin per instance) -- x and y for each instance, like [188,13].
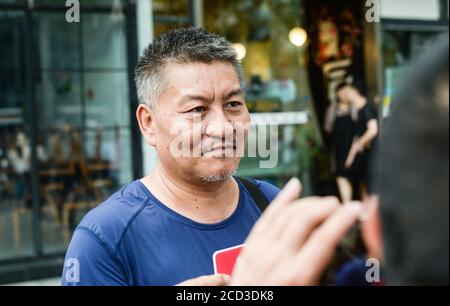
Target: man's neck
[199,201]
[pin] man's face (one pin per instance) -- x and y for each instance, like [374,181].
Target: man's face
[202,106]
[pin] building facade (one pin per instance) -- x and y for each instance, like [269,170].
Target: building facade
[68,134]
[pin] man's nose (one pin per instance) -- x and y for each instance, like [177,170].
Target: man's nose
[218,125]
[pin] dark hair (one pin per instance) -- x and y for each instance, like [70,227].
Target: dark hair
[413,175]
[340,86]
[184,46]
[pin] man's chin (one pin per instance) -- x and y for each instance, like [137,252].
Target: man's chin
[213,177]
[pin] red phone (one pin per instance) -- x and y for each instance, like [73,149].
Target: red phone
[224,260]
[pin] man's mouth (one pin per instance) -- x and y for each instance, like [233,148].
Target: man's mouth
[219,149]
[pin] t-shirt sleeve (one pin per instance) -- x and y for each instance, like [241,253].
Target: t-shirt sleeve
[90,262]
[368,114]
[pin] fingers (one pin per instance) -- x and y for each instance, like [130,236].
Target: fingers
[292,226]
[303,217]
[317,252]
[287,195]
[208,280]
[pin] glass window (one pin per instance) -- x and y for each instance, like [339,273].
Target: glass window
[16,210]
[12,1]
[58,42]
[80,86]
[105,94]
[104,41]
[174,7]
[105,3]
[58,97]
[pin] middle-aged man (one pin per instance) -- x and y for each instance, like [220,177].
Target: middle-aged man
[164,228]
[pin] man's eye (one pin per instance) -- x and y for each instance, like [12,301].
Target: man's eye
[233,104]
[199,109]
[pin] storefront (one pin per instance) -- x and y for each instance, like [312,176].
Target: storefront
[68,136]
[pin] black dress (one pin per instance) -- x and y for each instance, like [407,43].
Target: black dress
[362,164]
[344,129]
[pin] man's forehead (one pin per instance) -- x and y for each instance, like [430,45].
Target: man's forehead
[196,79]
[193,70]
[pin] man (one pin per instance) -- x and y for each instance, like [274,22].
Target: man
[408,233]
[164,228]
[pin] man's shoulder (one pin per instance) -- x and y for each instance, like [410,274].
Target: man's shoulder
[269,190]
[110,219]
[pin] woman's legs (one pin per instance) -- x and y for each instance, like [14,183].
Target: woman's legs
[345,189]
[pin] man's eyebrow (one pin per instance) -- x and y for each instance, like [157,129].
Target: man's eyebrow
[196,97]
[234,92]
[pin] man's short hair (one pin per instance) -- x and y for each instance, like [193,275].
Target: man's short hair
[182,46]
[413,175]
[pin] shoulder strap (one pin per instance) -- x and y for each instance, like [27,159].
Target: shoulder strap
[257,195]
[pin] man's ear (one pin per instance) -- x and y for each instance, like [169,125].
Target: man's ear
[146,121]
[371,230]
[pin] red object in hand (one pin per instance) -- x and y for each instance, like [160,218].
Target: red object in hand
[224,260]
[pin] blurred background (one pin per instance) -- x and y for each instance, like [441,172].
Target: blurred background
[68,134]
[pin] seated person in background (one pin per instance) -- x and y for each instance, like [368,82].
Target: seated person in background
[411,229]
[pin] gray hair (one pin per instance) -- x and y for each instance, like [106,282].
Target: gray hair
[181,46]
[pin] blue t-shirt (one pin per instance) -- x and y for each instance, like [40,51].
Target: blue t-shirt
[134,239]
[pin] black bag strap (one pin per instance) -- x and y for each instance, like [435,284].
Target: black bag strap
[257,195]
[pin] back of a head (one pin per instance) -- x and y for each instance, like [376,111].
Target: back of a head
[414,172]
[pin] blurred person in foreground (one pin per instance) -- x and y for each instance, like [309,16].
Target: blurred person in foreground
[406,228]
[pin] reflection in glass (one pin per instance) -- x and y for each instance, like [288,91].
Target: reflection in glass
[174,7]
[12,76]
[58,97]
[58,41]
[82,116]
[16,209]
[104,41]
[106,95]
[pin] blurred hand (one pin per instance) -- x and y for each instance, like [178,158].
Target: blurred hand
[208,280]
[354,150]
[294,241]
